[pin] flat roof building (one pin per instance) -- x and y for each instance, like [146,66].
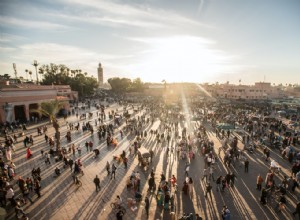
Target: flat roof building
[17,100]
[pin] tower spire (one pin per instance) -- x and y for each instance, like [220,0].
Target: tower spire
[100,75]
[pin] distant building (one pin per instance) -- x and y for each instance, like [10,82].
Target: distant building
[259,91]
[100,75]
[293,91]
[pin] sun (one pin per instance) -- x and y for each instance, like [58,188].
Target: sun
[181,59]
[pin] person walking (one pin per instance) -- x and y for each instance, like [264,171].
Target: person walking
[151,183]
[191,187]
[26,195]
[91,145]
[71,162]
[107,168]
[37,187]
[267,153]
[263,196]
[187,169]
[125,161]
[297,211]
[224,184]
[205,174]
[259,181]
[87,146]
[151,155]
[218,182]
[211,173]
[79,150]
[232,179]
[97,183]
[147,205]
[208,190]
[10,195]
[225,213]
[47,160]
[113,171]
[120,215]
[246,165]
[73,150]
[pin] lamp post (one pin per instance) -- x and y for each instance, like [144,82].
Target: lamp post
[35,64]
[15,69]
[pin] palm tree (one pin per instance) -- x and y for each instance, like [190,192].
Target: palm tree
[30,73]
[50,109]
[41,70]
[26,71]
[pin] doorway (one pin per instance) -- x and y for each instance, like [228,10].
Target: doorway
[20,113]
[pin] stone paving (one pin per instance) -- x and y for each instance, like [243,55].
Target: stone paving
[61,199]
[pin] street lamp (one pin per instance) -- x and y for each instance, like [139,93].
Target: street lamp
[35,64]
[15,69]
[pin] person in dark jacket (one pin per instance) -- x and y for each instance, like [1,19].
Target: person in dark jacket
[147,205]
[297,211]
[97,183]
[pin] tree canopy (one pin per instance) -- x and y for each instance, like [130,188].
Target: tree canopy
[50,109]
[120,85]
[62,75]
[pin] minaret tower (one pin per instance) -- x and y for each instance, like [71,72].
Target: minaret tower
[100,75]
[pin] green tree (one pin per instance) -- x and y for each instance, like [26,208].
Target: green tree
[62,75]
[137,85]
[5,76]
[119,85]
[50,110]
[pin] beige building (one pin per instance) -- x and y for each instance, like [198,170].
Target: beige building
[258,91]
[17,100]
[100,75]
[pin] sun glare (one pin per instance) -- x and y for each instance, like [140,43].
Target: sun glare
[182,59]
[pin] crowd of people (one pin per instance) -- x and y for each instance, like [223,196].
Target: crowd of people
[179,139]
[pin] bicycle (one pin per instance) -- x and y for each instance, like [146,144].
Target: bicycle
[117,207]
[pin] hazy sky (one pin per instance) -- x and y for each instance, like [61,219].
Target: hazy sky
[175,40]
